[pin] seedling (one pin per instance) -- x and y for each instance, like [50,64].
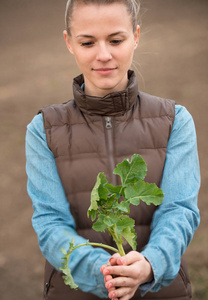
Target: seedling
[110,213]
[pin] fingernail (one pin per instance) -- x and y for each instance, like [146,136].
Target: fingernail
[109,285]
[106,272]
[112,295]
[121,261]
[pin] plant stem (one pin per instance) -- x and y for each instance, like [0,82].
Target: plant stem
[121,249]
[99,245]
[113,232]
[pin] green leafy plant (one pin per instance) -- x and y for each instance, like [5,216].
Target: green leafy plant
[110,207]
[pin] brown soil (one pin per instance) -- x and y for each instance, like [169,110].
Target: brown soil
[36,70]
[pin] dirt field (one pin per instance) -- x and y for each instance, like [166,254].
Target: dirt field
[36,70]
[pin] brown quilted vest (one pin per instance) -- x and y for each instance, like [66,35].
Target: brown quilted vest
[89,135]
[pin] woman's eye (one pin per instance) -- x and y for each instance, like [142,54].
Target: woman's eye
[116,42]
[87,44]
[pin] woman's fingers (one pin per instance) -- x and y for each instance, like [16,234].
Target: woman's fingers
[123,271]
[113,259]
[133,265]
[124,275]
[107,278]
[123,293]
[102,268]
[120,282]
[130,258]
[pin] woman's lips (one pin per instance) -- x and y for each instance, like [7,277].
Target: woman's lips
[104,71]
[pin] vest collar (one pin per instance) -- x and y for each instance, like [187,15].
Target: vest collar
[114,103]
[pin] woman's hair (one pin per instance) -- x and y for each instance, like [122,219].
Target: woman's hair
[132,6]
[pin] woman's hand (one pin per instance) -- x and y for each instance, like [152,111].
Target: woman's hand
[126,274]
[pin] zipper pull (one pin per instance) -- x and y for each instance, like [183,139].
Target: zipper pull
[108,124]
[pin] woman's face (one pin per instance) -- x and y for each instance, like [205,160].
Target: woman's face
[103,43]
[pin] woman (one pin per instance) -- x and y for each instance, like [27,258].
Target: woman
[109,120]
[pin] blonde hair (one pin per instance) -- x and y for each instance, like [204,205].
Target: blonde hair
[133,7]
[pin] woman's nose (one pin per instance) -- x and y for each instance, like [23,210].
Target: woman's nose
[103,53]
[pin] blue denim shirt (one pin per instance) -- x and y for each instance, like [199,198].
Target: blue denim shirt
[173,224]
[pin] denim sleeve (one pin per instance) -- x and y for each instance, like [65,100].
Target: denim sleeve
[52,220]
[176,219]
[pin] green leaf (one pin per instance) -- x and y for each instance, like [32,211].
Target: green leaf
[93,213]
[97,192]
[111,220]
[130,236]
[123,206]
[110,201]
[147,192]
[68,279]
[125,227]
[102,190]
[125,221]
[131,171]
[105,206]
[63,251]
[99,225]
[114,189]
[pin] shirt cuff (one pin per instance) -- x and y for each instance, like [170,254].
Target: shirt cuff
[158,264]
[146,287]
[103,292]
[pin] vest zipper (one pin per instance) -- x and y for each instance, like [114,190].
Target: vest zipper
[109,134]
[108,123]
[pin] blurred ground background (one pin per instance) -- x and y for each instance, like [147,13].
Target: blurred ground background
[36,70]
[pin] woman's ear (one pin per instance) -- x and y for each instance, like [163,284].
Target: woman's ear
[136,36]
[68,41]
